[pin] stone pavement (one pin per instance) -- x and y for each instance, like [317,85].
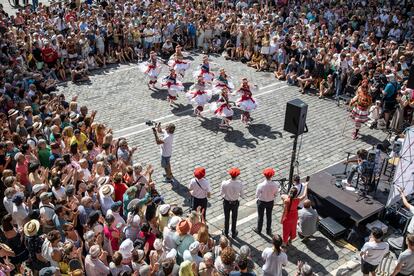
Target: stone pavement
[124,103]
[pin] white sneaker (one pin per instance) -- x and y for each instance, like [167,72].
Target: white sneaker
[347,186]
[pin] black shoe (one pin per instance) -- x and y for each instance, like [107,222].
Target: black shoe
[234,235]
[269,232]
[168,180]
[224,234]
[257,231]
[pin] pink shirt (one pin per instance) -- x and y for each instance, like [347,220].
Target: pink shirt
[22,170]
[108,234]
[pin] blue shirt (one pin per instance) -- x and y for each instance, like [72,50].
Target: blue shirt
[391,91]
[191,29]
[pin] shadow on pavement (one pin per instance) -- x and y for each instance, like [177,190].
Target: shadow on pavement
[262,131]
[231,135]
[182,191]
[159,94]
[181,110]
[369,139]
[187,86]
[237,137]
[321,247]
[295,255]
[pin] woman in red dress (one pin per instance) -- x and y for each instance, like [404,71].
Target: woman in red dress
[290,213]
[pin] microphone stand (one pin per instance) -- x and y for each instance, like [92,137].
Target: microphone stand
[346,166]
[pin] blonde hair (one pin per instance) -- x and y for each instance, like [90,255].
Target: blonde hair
[73,106]
[108,138]
[202,234]
[67,131]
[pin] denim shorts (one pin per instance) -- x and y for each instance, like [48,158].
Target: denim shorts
[147,45]
[165,161]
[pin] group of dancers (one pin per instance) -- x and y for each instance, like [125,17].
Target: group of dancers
[206,85]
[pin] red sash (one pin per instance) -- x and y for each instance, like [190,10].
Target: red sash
[220,109]
[198,93]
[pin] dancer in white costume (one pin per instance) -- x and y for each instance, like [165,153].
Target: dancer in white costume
[174,86]
[204,70]
[222,81]
[178,63]
[151,68]
[246,101]
[222,108]
[199,95]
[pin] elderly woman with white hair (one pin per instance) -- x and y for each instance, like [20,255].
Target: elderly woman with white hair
[206,267]
[96,263]
[245,254]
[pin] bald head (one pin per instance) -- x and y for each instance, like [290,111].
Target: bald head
[307,203]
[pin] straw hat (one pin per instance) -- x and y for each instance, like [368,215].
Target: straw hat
[31,228]
[37,125]
[107,190]
[6,248]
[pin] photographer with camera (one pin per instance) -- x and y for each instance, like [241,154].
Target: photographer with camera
[165,143]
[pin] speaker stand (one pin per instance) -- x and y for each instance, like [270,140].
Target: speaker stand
[293,159]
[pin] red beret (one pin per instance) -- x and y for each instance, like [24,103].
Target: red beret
[234,172]
[268,172]
[199,172]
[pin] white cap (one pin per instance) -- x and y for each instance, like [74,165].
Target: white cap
[172,254]
[126,248]
[173,222]
[158,244]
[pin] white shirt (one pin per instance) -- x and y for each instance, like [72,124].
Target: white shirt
[106,203]
[375,252]
[231,190]
[169,238]
[166,147]
[273,262]
[19,214]
[410,228]
[95,267]
[267,190]
[149,35]
[201,189]
[8,204]
[60,193]
[47,211]
[86,174]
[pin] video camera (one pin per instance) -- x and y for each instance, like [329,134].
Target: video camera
[150,123]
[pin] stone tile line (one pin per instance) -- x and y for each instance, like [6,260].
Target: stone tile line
[239,222]
[184,117]
[187,110]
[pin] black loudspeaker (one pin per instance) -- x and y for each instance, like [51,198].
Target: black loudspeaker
[331,228]
[410,81]
[295,117]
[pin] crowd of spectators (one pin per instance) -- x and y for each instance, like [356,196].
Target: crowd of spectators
[75,201]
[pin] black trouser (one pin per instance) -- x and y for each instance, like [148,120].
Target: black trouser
[233,207]
[261,207]
[200,202]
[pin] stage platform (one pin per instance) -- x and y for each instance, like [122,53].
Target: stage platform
[342,205]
